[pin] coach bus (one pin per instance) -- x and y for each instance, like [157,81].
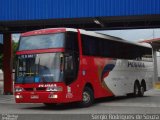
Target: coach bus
[62,65]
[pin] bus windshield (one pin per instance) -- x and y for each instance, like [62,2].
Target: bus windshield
[42,41]
[39,68]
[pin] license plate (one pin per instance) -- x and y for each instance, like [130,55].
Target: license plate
[34,97]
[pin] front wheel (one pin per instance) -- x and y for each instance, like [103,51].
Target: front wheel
[87,97]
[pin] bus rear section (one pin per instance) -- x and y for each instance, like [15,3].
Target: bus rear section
[123,67]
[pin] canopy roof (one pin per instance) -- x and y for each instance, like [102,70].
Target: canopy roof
[155,43]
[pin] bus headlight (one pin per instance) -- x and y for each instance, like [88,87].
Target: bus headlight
[19,89]
[19,96]
[54,88]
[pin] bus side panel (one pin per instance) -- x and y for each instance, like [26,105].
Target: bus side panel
[116,77]
[95,73]
[122,78]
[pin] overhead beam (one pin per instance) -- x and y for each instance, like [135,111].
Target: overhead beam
[89,23]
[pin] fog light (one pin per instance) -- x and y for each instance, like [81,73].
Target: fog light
[52,96]
[19,96]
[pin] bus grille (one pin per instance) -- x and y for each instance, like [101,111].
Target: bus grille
[35,89]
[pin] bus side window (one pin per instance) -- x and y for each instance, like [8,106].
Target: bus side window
[70,69]
[71,57]
[68,63]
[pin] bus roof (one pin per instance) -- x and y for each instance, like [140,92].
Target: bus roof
[85,32]
[113,38]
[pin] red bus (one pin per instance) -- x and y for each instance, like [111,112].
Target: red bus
[62,65]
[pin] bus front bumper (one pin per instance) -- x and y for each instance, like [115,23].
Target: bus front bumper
[42,97]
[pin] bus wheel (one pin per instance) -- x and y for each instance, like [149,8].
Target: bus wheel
[136,89]
[143,88]
[141,93]
[88,97]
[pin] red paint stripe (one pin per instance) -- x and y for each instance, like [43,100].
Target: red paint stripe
[79,42]
[43,31]
[105,75]
[40,51]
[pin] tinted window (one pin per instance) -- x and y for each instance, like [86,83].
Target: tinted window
[71,43]
[90,45]
[71,57]
[94,46]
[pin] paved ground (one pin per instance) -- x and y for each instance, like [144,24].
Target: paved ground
[150,104]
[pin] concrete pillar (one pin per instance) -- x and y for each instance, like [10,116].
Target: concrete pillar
[155,66]
[7,64]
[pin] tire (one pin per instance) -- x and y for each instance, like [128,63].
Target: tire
[142,89]
[136,89]
[87,97]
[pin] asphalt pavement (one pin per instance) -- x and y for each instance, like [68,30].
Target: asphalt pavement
[149,104]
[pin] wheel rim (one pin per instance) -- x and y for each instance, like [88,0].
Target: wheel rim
[86,97]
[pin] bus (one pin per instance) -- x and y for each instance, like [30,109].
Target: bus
[63,65]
